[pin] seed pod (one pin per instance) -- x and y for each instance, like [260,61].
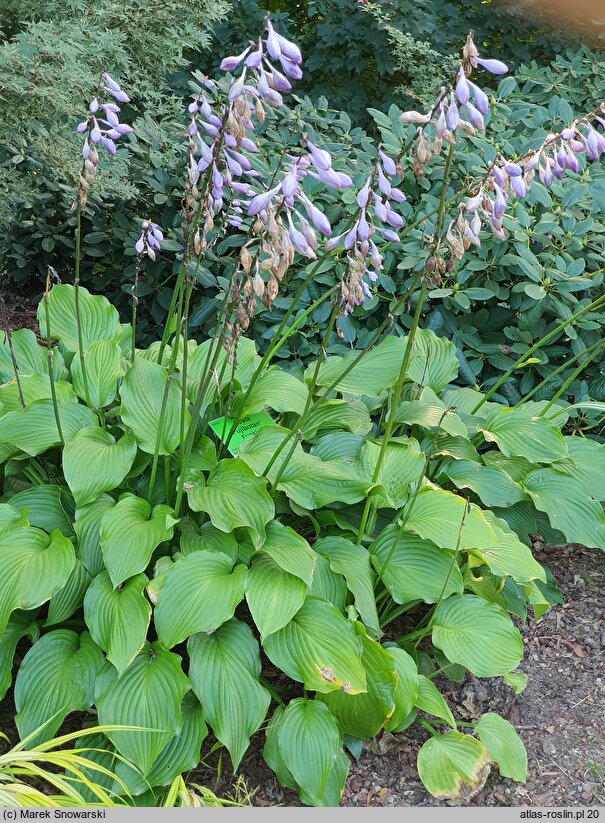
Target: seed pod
[197,244]
[272,288]
[258,284]
[251,306]
[245,259]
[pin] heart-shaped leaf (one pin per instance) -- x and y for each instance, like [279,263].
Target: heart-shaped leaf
[20,625]
[93,462]
[34,430]
[453,766]
[30,356]
[99,320]
[103,368]
[273,595]
[503,745]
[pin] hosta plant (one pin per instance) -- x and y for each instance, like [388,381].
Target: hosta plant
[308,587]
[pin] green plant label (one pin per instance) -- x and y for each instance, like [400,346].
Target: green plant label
[250,424]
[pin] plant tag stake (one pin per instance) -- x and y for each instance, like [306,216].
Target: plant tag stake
[248,425]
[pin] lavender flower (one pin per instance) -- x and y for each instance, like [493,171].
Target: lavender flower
[150,240]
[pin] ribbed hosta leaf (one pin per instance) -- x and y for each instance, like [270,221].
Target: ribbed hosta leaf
[118,618]
[318,648]
[493,486]
[69,598]
[224,670]
[279,390]
[453,765]
[406,690]
[430,700]
[103,367]
[477,634]
[273,595]
[568,505]
[402,464]
[376,371]
[334,414]
[414,569]
[518,433]
[434,361]
[290,551]
[11,519]
[586,464]
[148,695]
[47,507]
[234,496]
[87,528]
[443,518]
[31,357]
[198,594]
[431,414]
[94,462]
[205,538]
[99,320]
[129,533]
[503,745]
[33,567]
[363,715]
[507,555]
[309,742]
[34,430]
[57,676]
[143,390]
[20,625]
[353,562]
[34,387]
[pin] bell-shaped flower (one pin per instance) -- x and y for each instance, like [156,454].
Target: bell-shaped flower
[493,66]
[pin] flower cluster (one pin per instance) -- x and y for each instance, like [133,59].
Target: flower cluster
[102,127]
[150,240]
[462,106]
[512,179]
[376,215]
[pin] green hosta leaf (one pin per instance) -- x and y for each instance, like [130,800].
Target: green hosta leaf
[34,387]
[129,533]
[33,567]
[143,390]
[99,320]
[93,462]
[503,745]
[338,446]
[494,487]
[319,648]
[308,481]
[103,366]
[510,596]
[376,371]
[363,715]
[206,538]
[508,556]
[118,618]
[414,569]
[57,677]
[19,626]
[199,594]
[586,464]
[402,464]
[34,430]
[247,361]
[224,671]
[87,527]
[272,754]
[309,742]
[430,700]
[290,551]
[353,562]
[453,766]
[568,506]
[406,689]
[31,357]
[273,595]
[68,599]
[46,507]
[457,447]
[148,695]
[434,361]
[438,515]
[329,585]
[11,519]
[519,434]
[431,415]
[234,496]
[180,754]
[477,634]
[516,680]
[279,390]
[338,414]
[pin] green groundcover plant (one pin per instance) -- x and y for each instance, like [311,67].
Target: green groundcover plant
[192,537]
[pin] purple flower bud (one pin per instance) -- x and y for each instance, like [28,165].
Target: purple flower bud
[109,145]
[480,97]
[94,105]
[350,237]
[261,201]
[363,227]
[518,186]
[193,108]
[395,220]
[119,95]
[278,81]
[568,133]
[388,163]
[333,243]
[111,116]
[192,127]
[475,117]
[273,98]
[512,169]
[95,134]
[363,195]
[210,129]
[545,173]
[493,66]
[463,91]
[150,253]
[499,176]
[253,60]
[153,242]
[389,235]
[289,49]
[452,115]
[82,127]
[217,178]
[592,145]
[317,217]
[329,177]
[86,152]
[383,183]
[322,159]
[533,161]
[577,145]
[376,258]
[289,185]
[441,126]
[499,202]
[249,145]
[232,62]
[242,188]
[571,161]
[397,196]
[380,209]
[272,42]
[298,240]
[237,87]
[140,245]
[110,82]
